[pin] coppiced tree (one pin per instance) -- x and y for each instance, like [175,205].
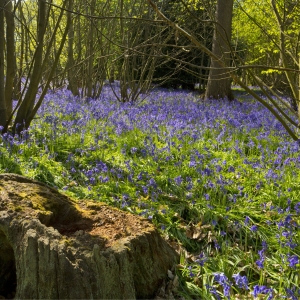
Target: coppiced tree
[35,47]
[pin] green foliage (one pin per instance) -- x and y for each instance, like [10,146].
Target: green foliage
[257,36]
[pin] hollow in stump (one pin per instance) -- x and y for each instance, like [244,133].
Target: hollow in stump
[53,247]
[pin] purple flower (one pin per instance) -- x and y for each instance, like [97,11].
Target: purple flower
[261,253]
[145,189]
[254,228]
[192,164]
[202,259]
[247,220]
[293,260]
[260,263]
[133,150]
[191,271]
[213,291]
[223,280]
[217,246]
[241,281]
[178,180]
[261,289]
[231,169]
[214,222]
[152,183]
[206,196]
[291,293]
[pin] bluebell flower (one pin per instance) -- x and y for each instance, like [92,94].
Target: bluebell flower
[192,164]
[222,279]
[261,289]
[293,260]
[254,228]
[145,189]
[178,180]
[152,183]
[202,259]
[291,293]
[133,150]
[261,253]
[247,220]
[217,246]
[213,291]
[231,169]
[241,281]
[260,263]
[191,274]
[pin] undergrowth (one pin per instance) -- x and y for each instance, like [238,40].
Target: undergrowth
[220,180]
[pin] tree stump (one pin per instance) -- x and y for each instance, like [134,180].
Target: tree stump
[52,247]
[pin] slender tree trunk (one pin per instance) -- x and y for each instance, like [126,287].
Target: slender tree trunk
[19,68]
[10,56]
[219,81]
[90,53]
[70,65]
[28,101]
[2,79]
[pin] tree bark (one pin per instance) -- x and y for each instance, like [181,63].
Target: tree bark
[2,89]
[21,120]
[219,80]
[10,57]
[52,247]
[72,85]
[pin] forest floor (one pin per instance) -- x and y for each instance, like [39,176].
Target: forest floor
[219,179]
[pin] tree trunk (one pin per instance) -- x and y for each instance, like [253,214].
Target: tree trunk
[90,52]
[2,90]
[72,85]
[52,247]
[10,56]
[219,81]
[21,120]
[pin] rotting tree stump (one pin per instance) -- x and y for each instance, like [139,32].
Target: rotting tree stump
[52,247]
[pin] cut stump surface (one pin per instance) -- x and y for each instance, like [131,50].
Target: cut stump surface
[52,247]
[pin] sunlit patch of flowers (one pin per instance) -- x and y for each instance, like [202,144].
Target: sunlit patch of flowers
[219,179]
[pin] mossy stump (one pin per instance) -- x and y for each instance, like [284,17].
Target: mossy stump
[52,247]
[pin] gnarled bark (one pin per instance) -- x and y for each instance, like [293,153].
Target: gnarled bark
[52,247]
